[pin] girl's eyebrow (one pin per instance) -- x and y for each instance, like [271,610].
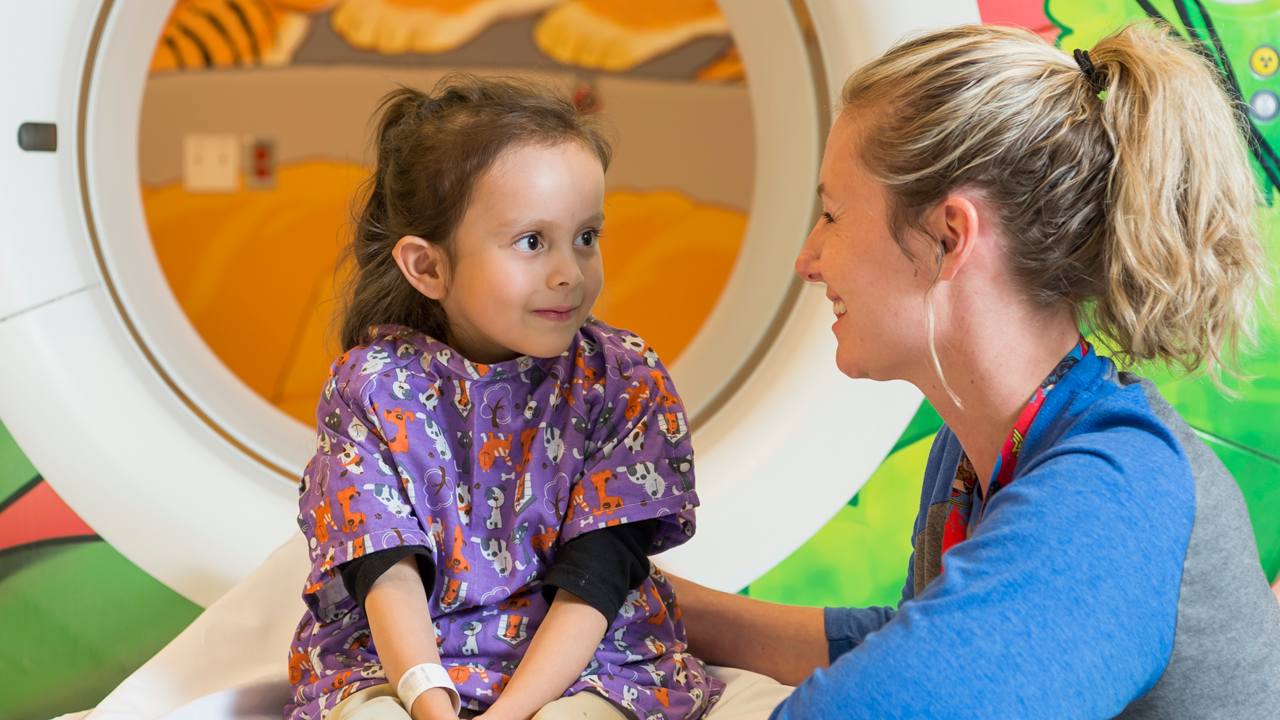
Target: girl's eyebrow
[536,221]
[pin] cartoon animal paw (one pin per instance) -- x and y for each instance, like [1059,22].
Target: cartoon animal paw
[618,35]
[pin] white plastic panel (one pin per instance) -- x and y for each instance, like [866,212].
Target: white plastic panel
[40,257]
[128,457]
[126,412]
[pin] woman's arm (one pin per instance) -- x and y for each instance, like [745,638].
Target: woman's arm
[400,620]
[785,642]
[560,649]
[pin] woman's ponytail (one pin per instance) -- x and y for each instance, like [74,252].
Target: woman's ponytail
[1182,263]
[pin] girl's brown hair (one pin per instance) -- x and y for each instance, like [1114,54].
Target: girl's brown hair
[1132,206]
[431,150]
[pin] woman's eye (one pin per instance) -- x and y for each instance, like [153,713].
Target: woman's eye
[529,243]
[588,238]
[826,217]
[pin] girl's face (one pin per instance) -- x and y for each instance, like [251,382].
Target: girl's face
[526,263]
[876,292]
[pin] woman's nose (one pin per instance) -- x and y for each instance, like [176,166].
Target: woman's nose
[807,262]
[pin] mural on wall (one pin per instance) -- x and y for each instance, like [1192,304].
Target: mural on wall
[667,74]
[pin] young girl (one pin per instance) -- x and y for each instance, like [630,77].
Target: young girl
[493,464]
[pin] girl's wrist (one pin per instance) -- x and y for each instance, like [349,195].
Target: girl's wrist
[433,704]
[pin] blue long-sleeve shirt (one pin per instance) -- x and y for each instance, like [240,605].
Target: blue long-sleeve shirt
[1116,576]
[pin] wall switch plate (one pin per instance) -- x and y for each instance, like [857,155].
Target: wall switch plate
[211,163]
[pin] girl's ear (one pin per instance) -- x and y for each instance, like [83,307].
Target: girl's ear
[423,264]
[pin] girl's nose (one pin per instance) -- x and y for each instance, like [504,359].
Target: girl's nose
[807,262]
[565,272]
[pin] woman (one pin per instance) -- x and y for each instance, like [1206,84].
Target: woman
[1078,551]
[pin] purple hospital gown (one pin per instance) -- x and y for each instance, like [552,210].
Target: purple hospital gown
[493,468]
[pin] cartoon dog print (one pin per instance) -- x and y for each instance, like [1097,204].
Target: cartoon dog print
[390,497]
[495,550]
[635,438]
[299,663]
[661,615]
[608,503]
[667,399]
[629,693]
[681,674]
[455,592]
[545,539]
[530,408]
[463,491]
[436,433]
[553,441]
[430,397]
[622,645]
[324,520]
[471,630]
[457,561]
[641,348]
[323,442]
[526,448]
[636,396]
[400,388]
[659,677]
[400,419]
[377,359]
[437,533]
[352,520]
[350,460]
[494,447]
[494,497]
[645,474]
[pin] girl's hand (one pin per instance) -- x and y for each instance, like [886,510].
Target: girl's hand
[564,644]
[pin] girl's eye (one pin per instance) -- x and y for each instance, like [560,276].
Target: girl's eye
[529,243]
[589,238]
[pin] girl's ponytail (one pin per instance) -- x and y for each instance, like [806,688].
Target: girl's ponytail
[1182,262]
[431,150]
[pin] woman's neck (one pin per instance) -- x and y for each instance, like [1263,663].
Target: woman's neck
[994,369]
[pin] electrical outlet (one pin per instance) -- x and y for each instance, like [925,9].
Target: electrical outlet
[211,163]
[260,164]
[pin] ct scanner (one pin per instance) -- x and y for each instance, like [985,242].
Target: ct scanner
[111,392]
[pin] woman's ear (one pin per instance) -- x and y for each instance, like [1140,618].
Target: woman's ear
[957,226]
[424,265]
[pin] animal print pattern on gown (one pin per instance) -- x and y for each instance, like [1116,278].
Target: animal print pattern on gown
[493,468]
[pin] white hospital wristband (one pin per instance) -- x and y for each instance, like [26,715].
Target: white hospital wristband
[424,677]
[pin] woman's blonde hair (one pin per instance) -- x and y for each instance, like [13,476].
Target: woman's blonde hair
[1125,195]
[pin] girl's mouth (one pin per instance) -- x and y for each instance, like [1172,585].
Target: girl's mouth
[556,314]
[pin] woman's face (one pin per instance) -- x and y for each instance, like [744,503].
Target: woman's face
[876,291]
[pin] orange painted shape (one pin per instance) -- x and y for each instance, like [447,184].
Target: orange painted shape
[653,13]
[39,515]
